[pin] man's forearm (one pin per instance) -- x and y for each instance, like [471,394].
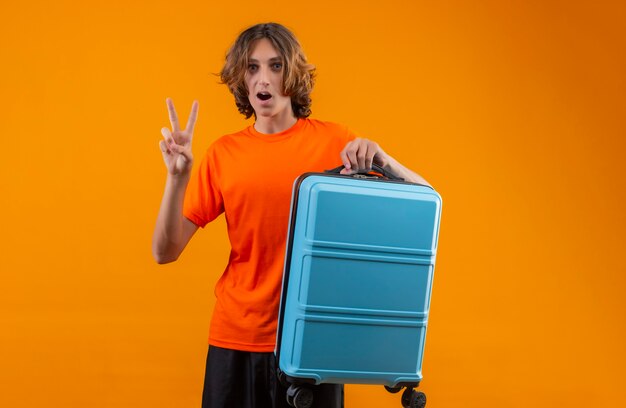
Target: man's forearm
[167,240]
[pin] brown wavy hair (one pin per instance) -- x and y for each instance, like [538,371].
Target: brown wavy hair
[298,74]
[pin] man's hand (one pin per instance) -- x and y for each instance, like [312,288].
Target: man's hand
[359,154]
[176,146]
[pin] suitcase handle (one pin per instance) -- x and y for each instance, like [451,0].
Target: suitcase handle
[375,169]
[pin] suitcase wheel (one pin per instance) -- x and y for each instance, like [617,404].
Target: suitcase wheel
[300,396]
[413,399]
[393,390]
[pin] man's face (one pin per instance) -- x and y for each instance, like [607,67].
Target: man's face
[264,81]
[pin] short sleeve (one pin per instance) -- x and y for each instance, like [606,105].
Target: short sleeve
[349,136]
[203,197]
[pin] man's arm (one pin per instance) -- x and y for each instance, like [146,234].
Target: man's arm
[359,155]
[173,230]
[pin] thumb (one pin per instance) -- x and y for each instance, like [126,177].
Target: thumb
[185,152]
[346,171]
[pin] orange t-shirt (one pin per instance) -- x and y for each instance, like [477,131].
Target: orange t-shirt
[249,176]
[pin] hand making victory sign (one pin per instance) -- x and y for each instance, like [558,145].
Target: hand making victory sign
[176,146]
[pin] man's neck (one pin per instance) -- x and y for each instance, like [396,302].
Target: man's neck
[274,124]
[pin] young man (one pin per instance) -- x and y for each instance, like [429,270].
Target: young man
[248,176]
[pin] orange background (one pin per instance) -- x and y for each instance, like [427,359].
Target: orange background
[513,110]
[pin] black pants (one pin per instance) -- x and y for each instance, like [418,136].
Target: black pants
[241,379]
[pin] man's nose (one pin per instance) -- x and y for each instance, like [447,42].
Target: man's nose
[264,76]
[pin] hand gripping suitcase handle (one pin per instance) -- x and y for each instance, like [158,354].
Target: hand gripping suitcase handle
[375,169]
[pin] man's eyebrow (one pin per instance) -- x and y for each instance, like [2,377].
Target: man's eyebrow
[273,59]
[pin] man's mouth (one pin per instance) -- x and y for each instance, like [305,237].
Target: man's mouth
[264,96]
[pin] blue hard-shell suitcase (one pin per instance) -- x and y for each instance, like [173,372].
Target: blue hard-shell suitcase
[357,283]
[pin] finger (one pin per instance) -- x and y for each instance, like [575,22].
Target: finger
[380,157]
[360,149]
[361,154]
[173,116]
[369,157]
[164,148]
[191,122]
[345,158]
[167,135]
[353,163]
